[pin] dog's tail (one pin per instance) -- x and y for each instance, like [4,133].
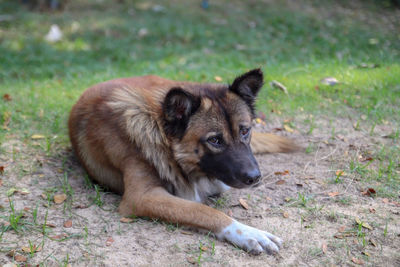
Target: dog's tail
[262,143]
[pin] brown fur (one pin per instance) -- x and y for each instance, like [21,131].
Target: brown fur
[117,129]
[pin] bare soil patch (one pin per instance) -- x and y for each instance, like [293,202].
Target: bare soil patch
[324,219]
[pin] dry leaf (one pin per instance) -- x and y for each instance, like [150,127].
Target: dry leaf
[279,86]
[341,229]
[285,214]
[7,97]
[282,173]
[20,258]
[339,173]
[362,159]
[288,128]
[357,261]
[109,241]
[28,249]
[366,253]
[203,248]
[243,203]
[11,253]
[191,260]
[372,210]
[51,225]
[363,224]
[186,233]
[37,136]
[280,182]
[126,220]
[373,242]
[324,248]
[369,192]
[333,194]
[68,224]
[27,209]
[218,79]
[60,198]
[60,236]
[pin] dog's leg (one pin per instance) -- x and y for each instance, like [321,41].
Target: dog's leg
[143,197]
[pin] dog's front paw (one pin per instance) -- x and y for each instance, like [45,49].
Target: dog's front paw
[250,239]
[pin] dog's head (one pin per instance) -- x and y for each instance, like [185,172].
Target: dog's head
[210,129]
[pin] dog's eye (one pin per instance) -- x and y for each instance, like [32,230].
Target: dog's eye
[244,132]
[215,140]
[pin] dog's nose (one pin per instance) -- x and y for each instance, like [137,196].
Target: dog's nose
[252,176]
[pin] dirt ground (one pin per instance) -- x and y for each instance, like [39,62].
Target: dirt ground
[322,222]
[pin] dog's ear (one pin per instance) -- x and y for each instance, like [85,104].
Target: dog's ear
[178,106]
[248,85]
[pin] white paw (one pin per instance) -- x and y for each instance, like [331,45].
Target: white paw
[250,239]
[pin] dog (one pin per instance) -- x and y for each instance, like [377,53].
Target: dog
[166,146]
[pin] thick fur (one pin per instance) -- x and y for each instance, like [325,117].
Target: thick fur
[166,146]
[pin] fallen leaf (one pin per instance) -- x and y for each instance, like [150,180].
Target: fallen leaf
[109,241]
[282,173]
[11,253]
[341,229]
[191,260]
[372,242]
[20,258]
[186,233]
[333,194]
[203,248]
[357,261]
[44,196]
[285,214]
[372,210]
[243,203]
[280,182]
[27,209]
[37,136]
[51,225]
[7,97]
[363,224]
[126,220]
[60,198]
[31,250]
[366,253]
[60,236]
[369,192]
[339,173]
[23,191]
[362,159]
[324,248]
[288,128]
[278,85]
[288,199]
[218,79]
[11,191]
[68,224]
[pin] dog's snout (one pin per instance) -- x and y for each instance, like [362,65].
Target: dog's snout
[252,176]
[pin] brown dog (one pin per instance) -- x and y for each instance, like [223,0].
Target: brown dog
[166,146]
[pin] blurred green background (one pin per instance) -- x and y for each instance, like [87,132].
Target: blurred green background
[297,43]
